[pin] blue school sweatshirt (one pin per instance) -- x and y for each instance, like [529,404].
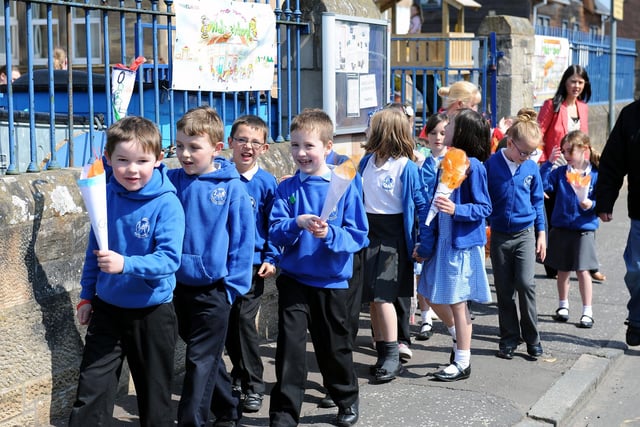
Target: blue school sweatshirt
[517,200]
[220,229]
[262,188]
[473,207]
[429,173]
[567,212]
[321,263]
[146,227]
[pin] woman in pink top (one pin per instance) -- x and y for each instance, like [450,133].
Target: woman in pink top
[567,110]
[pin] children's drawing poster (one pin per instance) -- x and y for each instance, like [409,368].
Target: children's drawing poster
[550,60]
[352,42]
[224,46]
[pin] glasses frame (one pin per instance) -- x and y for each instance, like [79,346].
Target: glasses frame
[524,154]
[244,142]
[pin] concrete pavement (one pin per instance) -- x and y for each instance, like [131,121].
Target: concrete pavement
[522,391]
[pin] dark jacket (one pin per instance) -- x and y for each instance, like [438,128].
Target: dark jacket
[620,157]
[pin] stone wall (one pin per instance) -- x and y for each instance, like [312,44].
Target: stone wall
[44,235]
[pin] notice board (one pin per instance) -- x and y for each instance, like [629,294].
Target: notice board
[355,74]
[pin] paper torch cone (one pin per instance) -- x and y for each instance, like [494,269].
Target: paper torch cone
[341,177]
[123,79]
[580,183]
[93,188]
[454,167]
[442,190]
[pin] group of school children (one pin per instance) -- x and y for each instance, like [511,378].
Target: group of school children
[190,248]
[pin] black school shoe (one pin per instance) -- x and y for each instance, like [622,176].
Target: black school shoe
[633,335]
[506,352]
[461,374]
[348,416]
[252,402]
[534,350]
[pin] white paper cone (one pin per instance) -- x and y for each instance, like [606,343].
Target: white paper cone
[94,193]
[441,191]
[122,82]
[337,188]
[581,192]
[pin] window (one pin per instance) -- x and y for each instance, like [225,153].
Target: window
[40,41]
[15,40]
[543,21]
[79,35]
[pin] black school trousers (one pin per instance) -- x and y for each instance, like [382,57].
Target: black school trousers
[325,314]
[147,338]
[203,318]
[243,341]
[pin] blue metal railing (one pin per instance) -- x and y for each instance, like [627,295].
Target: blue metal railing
[418,84]
[84,95]
[594,53]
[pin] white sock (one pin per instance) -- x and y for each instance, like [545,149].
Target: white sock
[587,310]
[424,314]
[564,303]
[452,332]
[463,358]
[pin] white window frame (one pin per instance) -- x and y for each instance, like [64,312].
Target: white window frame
[15,40]
[40,48]
[95,26]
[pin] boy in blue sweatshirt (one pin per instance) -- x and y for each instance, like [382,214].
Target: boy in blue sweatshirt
[316,264]
[248,141]
[127,290]
[216,263]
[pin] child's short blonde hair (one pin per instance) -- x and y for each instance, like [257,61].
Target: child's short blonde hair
[134,128]
[314,120]
[461,90]
[525,127]
[202,120]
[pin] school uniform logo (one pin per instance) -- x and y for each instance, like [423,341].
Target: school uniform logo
[527,181]
[254,205]
[219,196]
[143,229]
[334,214]
[388,183]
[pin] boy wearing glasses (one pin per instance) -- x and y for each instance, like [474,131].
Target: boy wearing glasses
[248,141]
[517,233]
[215,268]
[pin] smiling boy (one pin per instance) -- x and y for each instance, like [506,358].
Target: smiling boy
[127,290]
[316,263]
[248,141]
[215,269]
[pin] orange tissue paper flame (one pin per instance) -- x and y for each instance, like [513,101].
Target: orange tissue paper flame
[576,179]
[346,170]
[96,168]
[454,167]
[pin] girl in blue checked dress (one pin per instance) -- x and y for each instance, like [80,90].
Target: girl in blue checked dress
[454,269]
